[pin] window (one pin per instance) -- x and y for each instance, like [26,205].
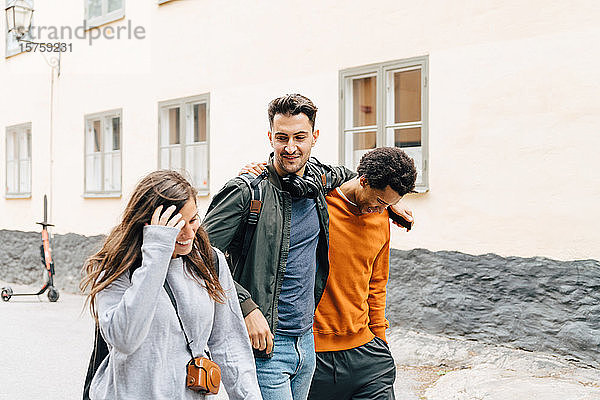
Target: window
[386,105]
[99,12]
[103,133]
[183,138]
[18,161]
[13,46]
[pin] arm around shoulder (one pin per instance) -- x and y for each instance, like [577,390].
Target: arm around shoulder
[334,176]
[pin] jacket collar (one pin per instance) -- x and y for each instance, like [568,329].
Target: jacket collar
[274,177]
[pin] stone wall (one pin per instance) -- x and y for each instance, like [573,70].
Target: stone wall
[533,304]
[20,260]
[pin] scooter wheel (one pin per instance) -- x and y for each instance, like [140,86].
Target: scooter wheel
[6,293]
[53,295]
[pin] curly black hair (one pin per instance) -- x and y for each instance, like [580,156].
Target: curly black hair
[389,166]
[292,104]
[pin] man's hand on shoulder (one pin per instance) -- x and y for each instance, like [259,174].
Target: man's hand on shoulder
[258,331]
[254,168]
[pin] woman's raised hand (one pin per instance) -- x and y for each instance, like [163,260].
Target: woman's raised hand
[165,219]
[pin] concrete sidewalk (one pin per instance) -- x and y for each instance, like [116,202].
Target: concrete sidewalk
[45,349]
[432,367]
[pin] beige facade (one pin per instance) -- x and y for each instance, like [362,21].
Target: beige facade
[511,120]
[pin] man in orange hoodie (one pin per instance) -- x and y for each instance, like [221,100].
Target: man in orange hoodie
[353,358]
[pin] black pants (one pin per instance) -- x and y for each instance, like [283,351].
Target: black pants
[365,372]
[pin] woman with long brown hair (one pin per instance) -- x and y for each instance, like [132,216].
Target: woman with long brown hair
[159,301]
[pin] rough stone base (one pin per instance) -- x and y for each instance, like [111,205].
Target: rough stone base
[534,304]
[20,260]
[437,368]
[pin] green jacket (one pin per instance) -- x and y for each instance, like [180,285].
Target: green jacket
[260,277]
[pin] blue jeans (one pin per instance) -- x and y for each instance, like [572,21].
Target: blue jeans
[287,375]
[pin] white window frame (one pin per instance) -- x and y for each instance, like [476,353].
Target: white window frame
[21,192]
[383,105]
[12,45]
[106,17]
[106,125]
[186,115]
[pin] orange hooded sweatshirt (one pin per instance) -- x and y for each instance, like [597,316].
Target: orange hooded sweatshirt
[352,309]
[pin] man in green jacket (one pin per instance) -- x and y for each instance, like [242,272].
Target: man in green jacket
[282,277]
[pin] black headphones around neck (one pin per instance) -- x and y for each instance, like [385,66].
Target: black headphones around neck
[300,187]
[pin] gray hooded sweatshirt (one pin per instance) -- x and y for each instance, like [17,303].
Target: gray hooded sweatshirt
[147,350]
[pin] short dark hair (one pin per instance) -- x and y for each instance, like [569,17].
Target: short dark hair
[292,104]
[388,166]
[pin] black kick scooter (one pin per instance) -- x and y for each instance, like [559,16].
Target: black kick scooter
[46,254]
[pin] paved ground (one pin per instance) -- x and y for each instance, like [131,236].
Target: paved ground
[438,368]
[45,348]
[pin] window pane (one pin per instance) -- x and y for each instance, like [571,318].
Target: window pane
[89,137]
[364,140]
[196,158]
[23,146]
[173,125]
[96,137]
[116,133]
[114,5]
[94,8]
[112,171]
[407,96]
[408,137]
[107,171]
[11,148]
[24,174]
[116,172]
[28,134]
[107,137]
[11,177]
[164,158]
[199,123]
[364,101]
[163,137]
[416,153]
[357,144]
[175,158]
[93,173]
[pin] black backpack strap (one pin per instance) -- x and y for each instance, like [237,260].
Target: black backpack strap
[99,353]
[215,260]
[255,207]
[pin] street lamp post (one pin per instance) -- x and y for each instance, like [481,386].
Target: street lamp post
[18,18]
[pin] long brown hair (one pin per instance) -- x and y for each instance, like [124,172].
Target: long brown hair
[122,249]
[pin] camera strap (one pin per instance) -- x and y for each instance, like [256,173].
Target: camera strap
[174,302]
[172,297]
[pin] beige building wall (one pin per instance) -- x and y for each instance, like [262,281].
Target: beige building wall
[514,107]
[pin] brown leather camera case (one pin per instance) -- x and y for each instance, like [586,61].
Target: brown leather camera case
[203,375]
